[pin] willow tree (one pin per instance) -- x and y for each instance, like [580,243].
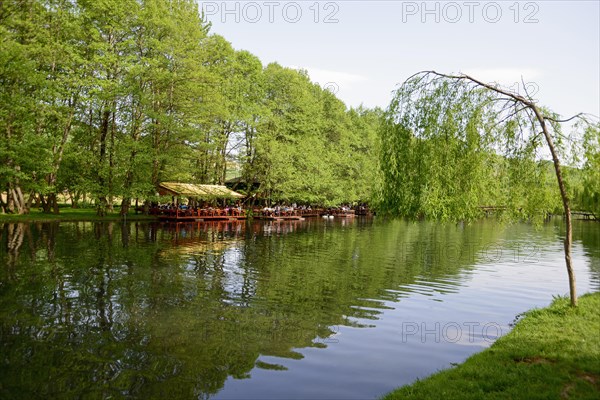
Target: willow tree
[452,144]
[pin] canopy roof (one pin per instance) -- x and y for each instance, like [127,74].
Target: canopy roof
[200,191]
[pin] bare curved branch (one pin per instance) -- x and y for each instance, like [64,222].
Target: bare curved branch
[580,115]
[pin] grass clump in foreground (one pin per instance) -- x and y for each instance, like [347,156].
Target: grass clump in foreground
[552,353]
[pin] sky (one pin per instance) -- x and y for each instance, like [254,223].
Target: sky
[362,50]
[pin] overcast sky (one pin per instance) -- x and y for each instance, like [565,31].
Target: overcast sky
[364,49]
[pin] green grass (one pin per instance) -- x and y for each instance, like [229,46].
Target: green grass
[71,214]
[552,353]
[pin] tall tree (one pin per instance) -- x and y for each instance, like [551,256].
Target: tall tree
[167,96]
[24,103]
[447,126]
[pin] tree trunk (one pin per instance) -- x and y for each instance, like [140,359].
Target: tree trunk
[125,204]
[111,164]
[10,202]
[101,206]
[155,150]
[222,154]
[49,203]
[44,204]
[567,209]
[129,176]
[74,196]
[2,204]
[54,201]
[14,196]
[18,200]
[101,202]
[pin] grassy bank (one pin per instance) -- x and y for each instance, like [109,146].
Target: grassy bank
[71,214]
[552,353]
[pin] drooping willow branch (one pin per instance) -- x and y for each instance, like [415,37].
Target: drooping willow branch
[511,106]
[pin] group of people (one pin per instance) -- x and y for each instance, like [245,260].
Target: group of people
[280,210]
[205,209]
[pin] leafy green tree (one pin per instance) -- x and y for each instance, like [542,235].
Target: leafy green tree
[361,175]
[234,84]
[287,133]
[307,147]
[441,134]
[42,76]
[589,196]
[168,84]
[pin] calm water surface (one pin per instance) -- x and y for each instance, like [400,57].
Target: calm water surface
[314,309]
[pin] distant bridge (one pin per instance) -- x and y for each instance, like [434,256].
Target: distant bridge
[586,215]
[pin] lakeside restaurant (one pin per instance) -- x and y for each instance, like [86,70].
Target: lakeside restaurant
[200,202]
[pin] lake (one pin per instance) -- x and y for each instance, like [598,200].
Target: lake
[328,309]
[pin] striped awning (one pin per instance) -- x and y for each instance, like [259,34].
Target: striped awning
[199,191]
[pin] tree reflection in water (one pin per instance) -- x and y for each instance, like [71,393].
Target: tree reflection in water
[92,309]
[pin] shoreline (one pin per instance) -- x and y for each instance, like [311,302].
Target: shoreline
[553,352]
[73,215]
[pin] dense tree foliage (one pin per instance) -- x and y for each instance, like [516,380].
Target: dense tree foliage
[587,179]
[450,150]
[310,149]
[451,143]
[103,100]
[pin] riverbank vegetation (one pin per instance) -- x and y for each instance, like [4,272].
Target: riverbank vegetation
[74,214]
[551,353]
[101,101]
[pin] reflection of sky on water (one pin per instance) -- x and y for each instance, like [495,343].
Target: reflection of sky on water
[237,281]
[444,320]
